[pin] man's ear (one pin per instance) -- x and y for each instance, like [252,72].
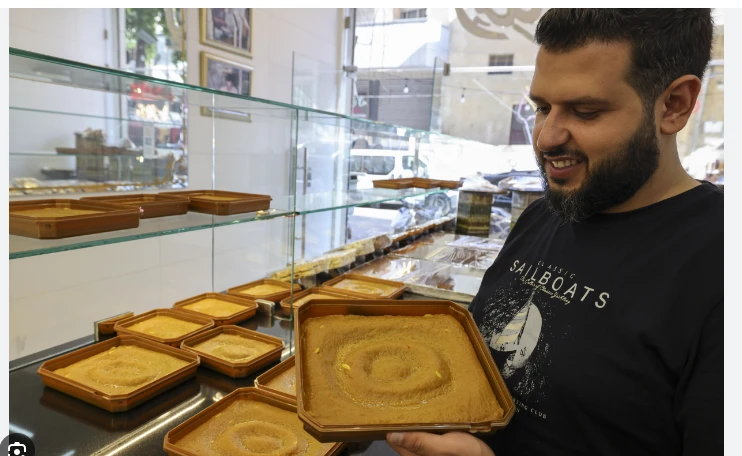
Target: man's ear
[677,103]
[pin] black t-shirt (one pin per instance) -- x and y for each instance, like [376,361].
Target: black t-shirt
[609,332]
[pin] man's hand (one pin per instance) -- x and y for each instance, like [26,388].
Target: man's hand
[425,444]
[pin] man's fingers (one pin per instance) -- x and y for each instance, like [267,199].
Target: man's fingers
[416,443]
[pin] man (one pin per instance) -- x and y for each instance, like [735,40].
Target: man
[604,310]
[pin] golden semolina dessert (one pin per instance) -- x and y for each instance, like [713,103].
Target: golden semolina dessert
[393,370]
[285,381]
[122,369]
[264,289]
[55,212]
[362,286]
[252,428]
[215,307]
[164,327]
[233,348]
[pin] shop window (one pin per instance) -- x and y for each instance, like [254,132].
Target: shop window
[501,60]
[521,124]
[416,13]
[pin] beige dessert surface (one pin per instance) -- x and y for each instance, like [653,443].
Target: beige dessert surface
[361,286]
[121,370]
[215,307]
[285,382]
[252,428]
[164,327]
[233,348]
[393,370]
[265,289]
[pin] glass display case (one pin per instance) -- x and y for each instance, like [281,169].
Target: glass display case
[80,131]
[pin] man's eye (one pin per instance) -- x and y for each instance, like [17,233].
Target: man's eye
[587,115]
[542,109]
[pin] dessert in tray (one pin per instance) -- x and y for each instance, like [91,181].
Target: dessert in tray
[369,286]
[285,382]
[234,348]
[364,370]
[122,369]
[267,289]
[164,327]
[234,351]
[167,326]
[224,309]
[248,422]
[215,307]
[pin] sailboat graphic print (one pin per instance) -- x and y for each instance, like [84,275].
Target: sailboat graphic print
[515,343]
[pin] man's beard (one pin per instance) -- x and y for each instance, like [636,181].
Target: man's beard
[610,182]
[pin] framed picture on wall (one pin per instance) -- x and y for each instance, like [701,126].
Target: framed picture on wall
[227,28]
[228,76]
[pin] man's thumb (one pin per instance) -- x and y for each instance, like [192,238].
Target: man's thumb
[419,443]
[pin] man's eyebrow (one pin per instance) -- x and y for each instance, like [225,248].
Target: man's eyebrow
[585,100]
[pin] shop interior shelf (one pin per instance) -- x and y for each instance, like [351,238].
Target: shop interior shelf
[23,247]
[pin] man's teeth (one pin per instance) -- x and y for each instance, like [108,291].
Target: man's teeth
[564,163]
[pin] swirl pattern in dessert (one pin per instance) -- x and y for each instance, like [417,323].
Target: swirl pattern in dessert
[392,373]
[122,369]
[392,369]
[252,428]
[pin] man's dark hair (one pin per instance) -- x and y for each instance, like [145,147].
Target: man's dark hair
[666,43]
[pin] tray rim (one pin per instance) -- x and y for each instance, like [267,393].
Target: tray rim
[399,290]
[122,326]
[117,341]
[107,210]
[251,307]
[320,289]
[246,393]
[372,431]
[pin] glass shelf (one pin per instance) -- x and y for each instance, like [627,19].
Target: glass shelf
[91,116]
[320,202]
[23,247]
[162,152]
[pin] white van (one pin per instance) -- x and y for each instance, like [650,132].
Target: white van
[373,164]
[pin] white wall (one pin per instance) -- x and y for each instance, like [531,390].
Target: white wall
[56,298]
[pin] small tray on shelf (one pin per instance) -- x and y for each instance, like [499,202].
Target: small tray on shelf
[249,308]
[372,287]
[124,326]
[117,402]
[174,445]
[220,202]
[152,205]
[420,182]
[242,290]
[62,218]
[396,184]
[235,369]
